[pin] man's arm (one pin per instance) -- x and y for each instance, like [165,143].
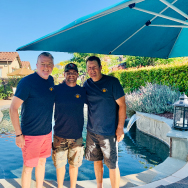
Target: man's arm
[16,103]
[122,117]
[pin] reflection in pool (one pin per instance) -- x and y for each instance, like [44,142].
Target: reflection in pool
[137,152]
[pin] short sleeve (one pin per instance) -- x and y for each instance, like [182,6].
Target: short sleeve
[85,101]
[23,89]
[84,85]
[117,89]
[51,81]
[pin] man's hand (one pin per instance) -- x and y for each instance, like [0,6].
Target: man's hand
[119,134]
[20,141]
[14,116]
[121,118]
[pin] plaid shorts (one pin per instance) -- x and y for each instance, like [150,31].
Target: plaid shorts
[99,147]
[71,149]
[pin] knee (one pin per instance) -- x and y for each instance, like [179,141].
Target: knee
[42,162]
[27,170]
[114,171]
[98,162]
[72,167]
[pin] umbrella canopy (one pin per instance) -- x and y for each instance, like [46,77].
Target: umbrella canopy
[150,28]
[21,72]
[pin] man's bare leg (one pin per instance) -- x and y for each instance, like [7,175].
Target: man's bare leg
[60,176]
[39,172]
[114,177]
[73,172]
[98,166]
[26,176]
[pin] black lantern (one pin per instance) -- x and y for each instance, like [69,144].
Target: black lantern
[181,113]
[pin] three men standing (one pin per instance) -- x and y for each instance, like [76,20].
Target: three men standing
[106,118]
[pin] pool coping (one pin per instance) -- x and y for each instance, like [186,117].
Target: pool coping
[168,172]
[147,179]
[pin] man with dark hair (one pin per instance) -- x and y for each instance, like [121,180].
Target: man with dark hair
[35,93]
[106,117]
[69,122]
[94,58]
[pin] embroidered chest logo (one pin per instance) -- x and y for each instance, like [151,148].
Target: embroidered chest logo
[77,96]
[51,88]
[104,90]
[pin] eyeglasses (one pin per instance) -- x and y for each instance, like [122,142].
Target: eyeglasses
[71,73]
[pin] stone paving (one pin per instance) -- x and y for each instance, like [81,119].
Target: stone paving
[4,103]
[180,184]
[172,173]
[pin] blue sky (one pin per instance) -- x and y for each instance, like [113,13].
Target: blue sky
[22,21]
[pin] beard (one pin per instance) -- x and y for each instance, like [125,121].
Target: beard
[71,80]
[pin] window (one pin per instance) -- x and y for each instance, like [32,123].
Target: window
[0,73]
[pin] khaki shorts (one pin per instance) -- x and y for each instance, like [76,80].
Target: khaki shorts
[70,149]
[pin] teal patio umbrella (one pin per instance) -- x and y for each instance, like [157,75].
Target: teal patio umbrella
[150,28]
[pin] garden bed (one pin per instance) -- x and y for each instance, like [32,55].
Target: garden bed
[166,115]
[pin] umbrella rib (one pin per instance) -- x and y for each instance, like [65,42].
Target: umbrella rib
[127,39]
[160,15]
[181,26]
[174,8]
[175,42]
[138,30]
[162,11]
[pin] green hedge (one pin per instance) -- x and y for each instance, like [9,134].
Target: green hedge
[172,75]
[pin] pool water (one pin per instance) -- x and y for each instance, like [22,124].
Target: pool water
[137,152]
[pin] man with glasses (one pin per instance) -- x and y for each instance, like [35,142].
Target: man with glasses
[35,93]
[69,121]
[106,118]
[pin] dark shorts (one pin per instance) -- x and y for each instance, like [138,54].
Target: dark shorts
[99,147]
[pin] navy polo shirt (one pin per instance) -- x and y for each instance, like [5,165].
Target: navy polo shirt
[36,112]
[102,106]
[69,117]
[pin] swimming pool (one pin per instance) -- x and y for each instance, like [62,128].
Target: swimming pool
[137,152]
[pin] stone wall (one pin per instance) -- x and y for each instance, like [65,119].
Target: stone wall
[154,125]
[162,129]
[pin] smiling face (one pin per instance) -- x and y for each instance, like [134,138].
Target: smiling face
[44,66]
[71,77]
[94,70]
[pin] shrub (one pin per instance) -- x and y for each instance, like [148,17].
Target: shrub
[13,82]
[5,95]
[6,86]
[171,74]
[152,98]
